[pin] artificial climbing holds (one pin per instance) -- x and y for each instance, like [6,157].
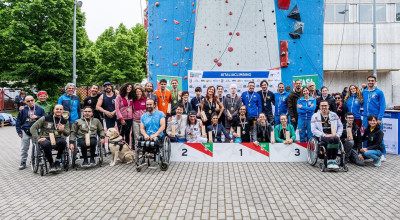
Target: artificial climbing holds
[219,64]
[176,22]
[187,49]
[237,34]
[230,13]
[175,64]
[295,13]
[178,38]
[230,49]
[230,33]
[157,4]
[216,60]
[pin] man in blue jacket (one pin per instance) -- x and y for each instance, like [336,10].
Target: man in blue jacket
[374,104]
[71,104]
[281,105]
[252,101]
[25,119]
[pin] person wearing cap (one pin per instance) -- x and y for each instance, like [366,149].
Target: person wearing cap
[180,122]
[194,128]
[70,103]
[176,96]
[47,107]
[25,119]
[106,105]
[92,99]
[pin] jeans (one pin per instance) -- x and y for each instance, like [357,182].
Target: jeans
[304,127]
[110,122]
[25,143]
[365,125]
[82,144]
[373,154]
[352,154]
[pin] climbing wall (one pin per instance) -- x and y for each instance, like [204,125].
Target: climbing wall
[243,35]
[235,35]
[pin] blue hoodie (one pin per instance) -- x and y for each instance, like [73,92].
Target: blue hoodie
[374,103]
[75,111]
[306,111]
[354,106]
[281,105]
[252,101]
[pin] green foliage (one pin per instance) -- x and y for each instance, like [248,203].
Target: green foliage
[121,55]
[36,48]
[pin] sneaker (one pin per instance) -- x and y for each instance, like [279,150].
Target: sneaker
[85,163]
[332,164]
[57,165]
[22,165]
[52,168]
[383,158]
[92,161]
[377,162]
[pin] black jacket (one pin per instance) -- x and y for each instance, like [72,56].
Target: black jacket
[331,101]
[355,130]
[261,136]
[292,104]
[374,138]
[341,111]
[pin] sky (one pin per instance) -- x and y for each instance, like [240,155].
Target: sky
[102,14]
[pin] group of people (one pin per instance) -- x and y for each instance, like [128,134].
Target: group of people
[248,117]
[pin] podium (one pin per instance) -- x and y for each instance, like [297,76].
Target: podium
[238,152]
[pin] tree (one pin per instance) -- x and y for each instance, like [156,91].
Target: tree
[36,43]
[121,55]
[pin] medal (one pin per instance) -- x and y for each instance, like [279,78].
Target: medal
[56,132]
[265,104]
[264,139]
[174,101]
[128,109]
[215,140]
[249,105]
[243,132]
[179,132]
[163,104]
[209,111]
[231,108]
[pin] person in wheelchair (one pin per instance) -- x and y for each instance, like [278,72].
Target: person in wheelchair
[152,123]
[352,141]
[327,127]
[179,121]
[88,128]
[52,126]
[262,130]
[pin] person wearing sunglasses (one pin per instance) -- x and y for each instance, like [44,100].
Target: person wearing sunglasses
[25,119]
[341,109]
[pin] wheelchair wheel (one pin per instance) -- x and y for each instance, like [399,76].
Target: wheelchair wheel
[166,150]
[100,155]
[312,151]
[345,168]
[41,170]
[65,160]
[74,158]
[35,158]
[164,166]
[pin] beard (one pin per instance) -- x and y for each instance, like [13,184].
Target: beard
[149,109]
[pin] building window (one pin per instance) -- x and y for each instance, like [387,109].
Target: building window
[365,13]
[398,12]
[336,13]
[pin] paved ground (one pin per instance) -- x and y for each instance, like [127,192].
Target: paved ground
[197,191]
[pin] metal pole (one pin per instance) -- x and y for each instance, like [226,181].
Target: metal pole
[374,36]
[74,49]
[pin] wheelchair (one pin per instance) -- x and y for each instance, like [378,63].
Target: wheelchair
[158,149]
[39,161]
[316,152]
[77,154]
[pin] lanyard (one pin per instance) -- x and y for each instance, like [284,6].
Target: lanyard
[264,97]
[243,124]
[179,124]
[233,101]
[163,97]
[185,107]
[215,131]
[175,94]
[32,112]
[55,124]
[251,96]
[210,105]
[88,124]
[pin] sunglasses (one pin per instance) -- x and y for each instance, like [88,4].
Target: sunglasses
[337,98]
[30,100]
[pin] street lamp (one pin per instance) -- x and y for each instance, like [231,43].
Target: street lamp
[76,4]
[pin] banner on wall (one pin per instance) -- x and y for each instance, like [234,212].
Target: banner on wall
[306,79]
[169,78]
[204,79]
